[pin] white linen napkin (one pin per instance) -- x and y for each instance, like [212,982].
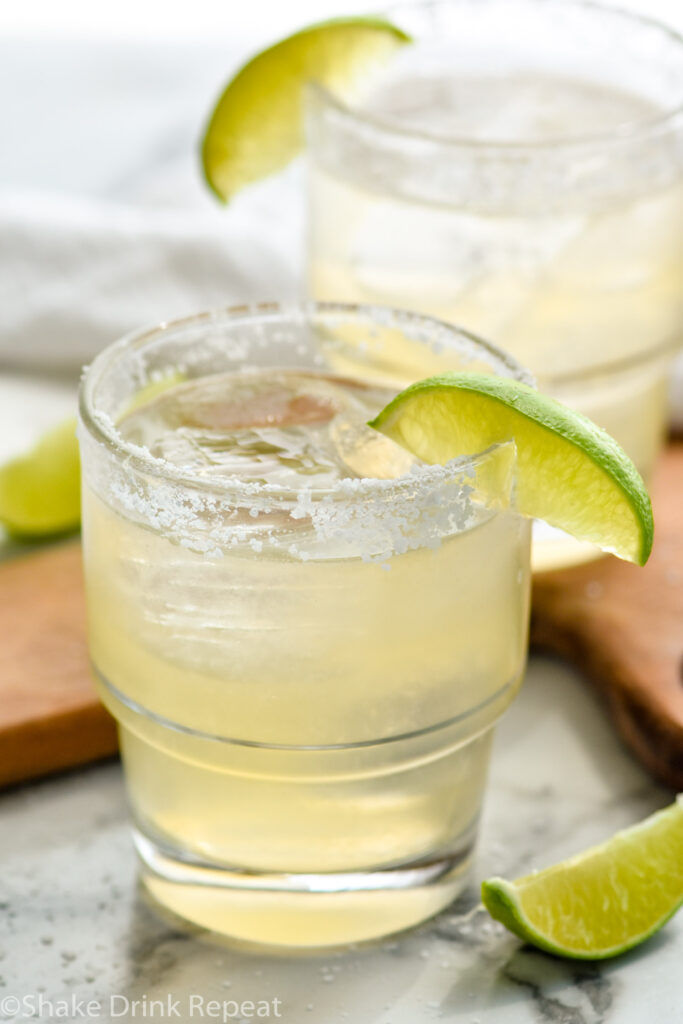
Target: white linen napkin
[76,274]
[105,222]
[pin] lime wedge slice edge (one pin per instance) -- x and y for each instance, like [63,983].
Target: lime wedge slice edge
[604,901]
[256,127]
[570,473]
[40,491]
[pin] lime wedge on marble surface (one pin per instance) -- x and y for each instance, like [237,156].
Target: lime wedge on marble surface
[40,492]
[570,473]
[603,901]
[256,127]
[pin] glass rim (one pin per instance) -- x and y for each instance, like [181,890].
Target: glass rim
[667,349]
[103,429]
[642,128]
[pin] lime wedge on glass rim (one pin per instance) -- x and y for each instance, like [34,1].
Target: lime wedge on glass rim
[569,472]
[256,127]
[603,901]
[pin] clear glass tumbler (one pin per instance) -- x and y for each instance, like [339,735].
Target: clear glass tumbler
[519,169]
[305,635]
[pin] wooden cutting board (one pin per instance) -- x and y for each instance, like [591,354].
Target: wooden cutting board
[50,717]
[623,626]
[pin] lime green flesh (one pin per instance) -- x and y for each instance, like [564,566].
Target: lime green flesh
[569,472]
[40,493]
[601,902]
[257,125]
[154,389]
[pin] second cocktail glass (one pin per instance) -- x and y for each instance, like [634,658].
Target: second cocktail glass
[520,171]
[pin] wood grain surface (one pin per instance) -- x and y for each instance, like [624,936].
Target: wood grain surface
[50,717]
[621,625]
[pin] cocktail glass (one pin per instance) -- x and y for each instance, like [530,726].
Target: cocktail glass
[519,169]
[306,637]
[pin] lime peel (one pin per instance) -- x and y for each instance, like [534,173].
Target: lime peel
[604,901]
[256,127]
[40,491]
[569,471]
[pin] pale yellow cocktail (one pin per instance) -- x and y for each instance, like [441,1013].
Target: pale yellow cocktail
[305,635]
[519,170]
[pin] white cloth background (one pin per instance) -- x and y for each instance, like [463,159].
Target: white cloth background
[105,223]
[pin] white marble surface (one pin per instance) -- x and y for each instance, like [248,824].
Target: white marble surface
[74,925]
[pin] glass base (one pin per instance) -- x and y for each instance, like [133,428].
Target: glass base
[304,910]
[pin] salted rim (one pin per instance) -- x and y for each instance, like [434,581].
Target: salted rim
[103,430]
[642,127]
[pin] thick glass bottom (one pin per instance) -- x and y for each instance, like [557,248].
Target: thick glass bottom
[302,910]
[300,846]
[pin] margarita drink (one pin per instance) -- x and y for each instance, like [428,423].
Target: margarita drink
[305,635]
[505,176]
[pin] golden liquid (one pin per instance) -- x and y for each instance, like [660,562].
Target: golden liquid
[225,670]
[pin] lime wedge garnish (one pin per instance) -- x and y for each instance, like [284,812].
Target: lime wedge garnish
[603,901]
[569,472]
[256,127]
[40,493]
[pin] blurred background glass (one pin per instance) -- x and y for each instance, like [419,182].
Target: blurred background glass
[105,221]
[519,171]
